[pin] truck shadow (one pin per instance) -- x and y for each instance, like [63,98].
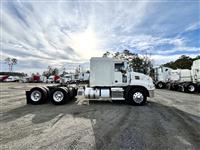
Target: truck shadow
[121,126]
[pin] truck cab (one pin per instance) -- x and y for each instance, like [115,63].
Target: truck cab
[161,76]
[113,79]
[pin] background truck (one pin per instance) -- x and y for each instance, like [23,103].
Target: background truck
[3,77]
[53,79]
[66,79]
[84,76]
[12,79]
[110,79]
[161,76]
[180,79]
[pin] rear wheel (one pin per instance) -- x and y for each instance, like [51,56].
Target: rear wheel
[60,96]
[136,96]
[37,95]
[168,86]
[191,88]
[160,85]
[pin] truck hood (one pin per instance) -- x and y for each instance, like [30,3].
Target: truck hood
[141,76]
[142,79]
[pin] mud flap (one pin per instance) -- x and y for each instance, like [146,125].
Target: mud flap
[28,97]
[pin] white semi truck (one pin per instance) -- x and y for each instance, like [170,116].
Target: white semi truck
[110,79]
[161,76]
[180,79]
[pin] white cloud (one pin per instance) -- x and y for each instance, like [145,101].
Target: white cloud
[193,27]
[59,33]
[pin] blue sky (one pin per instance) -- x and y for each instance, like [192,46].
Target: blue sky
[64,33]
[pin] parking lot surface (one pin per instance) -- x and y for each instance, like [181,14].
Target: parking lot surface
[171,120]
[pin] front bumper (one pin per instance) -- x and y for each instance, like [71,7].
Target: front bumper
[151,93]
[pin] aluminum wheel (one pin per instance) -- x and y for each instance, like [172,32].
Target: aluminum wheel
[138,97]
[36,96]
[58,96]
[160,85]
[191,88]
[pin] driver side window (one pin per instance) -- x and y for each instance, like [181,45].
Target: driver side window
[119,67]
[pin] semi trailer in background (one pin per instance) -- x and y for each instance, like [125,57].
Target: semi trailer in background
[110,79]
[184,80]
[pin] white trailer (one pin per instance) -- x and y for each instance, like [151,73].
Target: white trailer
[110,79]
[178,79]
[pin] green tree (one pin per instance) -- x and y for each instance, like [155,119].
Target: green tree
[183,62]
[106,54]
[11,62]
[50,71]
[138,63]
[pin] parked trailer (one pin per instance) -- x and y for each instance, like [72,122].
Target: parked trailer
[180,80]
[110,79]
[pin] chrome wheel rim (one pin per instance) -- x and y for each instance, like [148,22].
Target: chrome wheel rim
[191,88]
[138,97]
[160,85]
[58,96]
[36,96]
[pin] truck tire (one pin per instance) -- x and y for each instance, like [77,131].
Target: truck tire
[37,95]
[168,86]
[60,96]
[136,96]
[74,91]
[71,93]
[198,88]
[160,85]
[190,88]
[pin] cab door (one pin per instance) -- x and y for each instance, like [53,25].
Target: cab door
[120,74]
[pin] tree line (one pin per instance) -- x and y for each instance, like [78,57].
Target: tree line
[144,63]
[183,62]
[139,63]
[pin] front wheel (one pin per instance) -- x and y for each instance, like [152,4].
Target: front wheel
[136,96]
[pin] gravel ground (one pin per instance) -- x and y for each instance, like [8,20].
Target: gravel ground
[171,120]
